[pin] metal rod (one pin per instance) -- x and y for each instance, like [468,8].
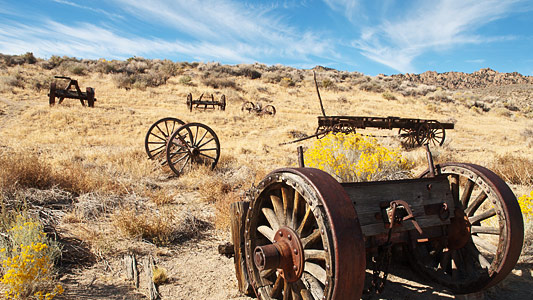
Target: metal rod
[431,166]
[300,150]
[318,93]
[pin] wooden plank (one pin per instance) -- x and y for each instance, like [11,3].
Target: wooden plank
[238,212]
[369,197]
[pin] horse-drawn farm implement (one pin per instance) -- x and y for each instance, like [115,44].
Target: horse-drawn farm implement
[72,91]
[300,234]
[258,108]
[413,131]
[206,103]
[179,145]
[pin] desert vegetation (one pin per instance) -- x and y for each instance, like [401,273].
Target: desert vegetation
[81,178]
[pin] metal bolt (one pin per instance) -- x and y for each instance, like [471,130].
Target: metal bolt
[296,251]
[493,201]
[326,283]
[322,231]
[327,266]
[247,244]
[289,237]
[295,268]
[280,233]
[326,249]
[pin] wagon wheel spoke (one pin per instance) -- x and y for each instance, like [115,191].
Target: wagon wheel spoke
[316,271]
[472,207]
[202,138]
[482,216]
[158,135]
[288,204]
[313,237]
[277,288]
[305,220]
[270,215]
[189,136]
[207,156]
[467,192]
[267,232]
[287,290]
[488,233]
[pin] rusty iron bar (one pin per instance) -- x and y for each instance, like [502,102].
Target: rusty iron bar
[318,93]
[300,151]
[431,166]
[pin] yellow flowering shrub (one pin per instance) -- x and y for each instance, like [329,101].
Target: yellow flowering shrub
[354,158]
[28,262]
[526,205]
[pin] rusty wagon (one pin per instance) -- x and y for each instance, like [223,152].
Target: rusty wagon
[300,234]
[412,131]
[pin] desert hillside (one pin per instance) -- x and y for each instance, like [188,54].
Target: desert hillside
[84,172]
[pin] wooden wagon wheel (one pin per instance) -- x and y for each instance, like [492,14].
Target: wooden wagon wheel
[189,101]
[303,239]
[192,143]
[484,238]
[52,94]
[409,135]
[248,106]
[157,136]
[431,132]
[269,110]
[223,102]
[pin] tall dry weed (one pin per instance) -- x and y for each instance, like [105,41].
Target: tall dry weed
[515,169]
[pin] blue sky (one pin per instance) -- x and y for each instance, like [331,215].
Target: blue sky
[372,37]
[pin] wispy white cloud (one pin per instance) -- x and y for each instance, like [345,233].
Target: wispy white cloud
[91,41]
[229,23]
[96,10]
[222,30]
[347,7]
[475,61]
[430,27]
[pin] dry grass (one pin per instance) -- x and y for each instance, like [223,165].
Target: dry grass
[161,227]
[98,154]
[515,169]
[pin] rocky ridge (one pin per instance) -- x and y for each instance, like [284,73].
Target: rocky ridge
[459,80]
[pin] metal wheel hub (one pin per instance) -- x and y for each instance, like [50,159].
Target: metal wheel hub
[285,255]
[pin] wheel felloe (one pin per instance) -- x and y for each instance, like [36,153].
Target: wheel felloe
[486,238]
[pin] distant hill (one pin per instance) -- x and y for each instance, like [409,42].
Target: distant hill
[459,80]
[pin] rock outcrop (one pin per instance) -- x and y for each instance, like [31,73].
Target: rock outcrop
[459,80]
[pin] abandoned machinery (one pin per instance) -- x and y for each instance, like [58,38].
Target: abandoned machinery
[300,234]
[72,91]
[179,145]
[258,108]
[206,103]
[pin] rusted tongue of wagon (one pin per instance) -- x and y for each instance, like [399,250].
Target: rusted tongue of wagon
[300,234]
[72,91]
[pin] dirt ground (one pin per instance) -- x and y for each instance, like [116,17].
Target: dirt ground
[197,271]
